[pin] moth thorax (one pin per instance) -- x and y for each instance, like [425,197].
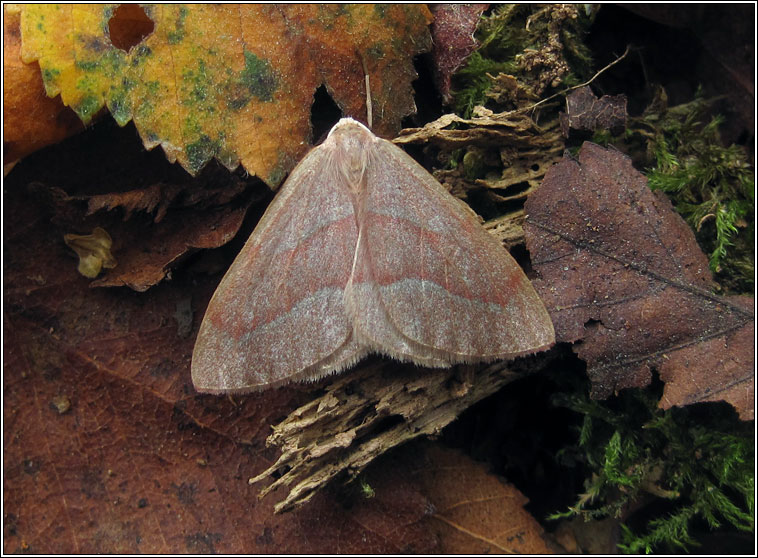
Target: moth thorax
[351,153]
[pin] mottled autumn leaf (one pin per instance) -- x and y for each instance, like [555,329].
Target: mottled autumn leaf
[624,279]
[31,119]
[584,111]
[230,81]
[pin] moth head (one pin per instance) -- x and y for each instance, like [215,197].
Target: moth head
[349,139]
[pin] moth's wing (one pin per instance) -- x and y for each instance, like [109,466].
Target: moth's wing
[435,286]
[278,314]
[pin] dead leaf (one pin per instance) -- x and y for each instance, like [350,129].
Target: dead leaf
[148,252]
[471,510]
[584,111]
[625,281]
[153,227]
[138,463]
[230,81]
[31,119]
[453,36]
[156,198]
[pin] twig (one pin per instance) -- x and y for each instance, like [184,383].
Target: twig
[546,99]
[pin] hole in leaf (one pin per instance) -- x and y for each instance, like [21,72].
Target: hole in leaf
[129,26]
[324,113]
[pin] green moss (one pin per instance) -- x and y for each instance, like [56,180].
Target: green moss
[700,460]
[710,185]
[474,81]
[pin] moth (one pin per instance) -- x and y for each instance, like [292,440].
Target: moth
[363,251]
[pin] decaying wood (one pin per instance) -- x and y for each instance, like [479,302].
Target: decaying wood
[505,129]
[508,228]
[370,410]
[526,151]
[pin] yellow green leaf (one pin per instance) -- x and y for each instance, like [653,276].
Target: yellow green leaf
[230,81]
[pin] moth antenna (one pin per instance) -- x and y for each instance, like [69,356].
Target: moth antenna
[369,115]
[369,108]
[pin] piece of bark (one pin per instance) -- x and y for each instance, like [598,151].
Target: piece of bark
[625,281]
[486,128]
[524,150]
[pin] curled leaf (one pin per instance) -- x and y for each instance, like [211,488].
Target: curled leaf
[584,111]
[94,251]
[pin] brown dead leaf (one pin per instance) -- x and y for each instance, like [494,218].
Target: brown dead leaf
[156,198]
[624,279]
[453,35]
[230,81]
[107,448]
[147,252]
[471,510]
[584,111]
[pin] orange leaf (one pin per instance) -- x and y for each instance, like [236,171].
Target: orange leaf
[31,120]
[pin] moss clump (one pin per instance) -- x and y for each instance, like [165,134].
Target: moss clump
[700,463]
[711,186]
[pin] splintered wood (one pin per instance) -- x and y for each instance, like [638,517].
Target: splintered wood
[369,411]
